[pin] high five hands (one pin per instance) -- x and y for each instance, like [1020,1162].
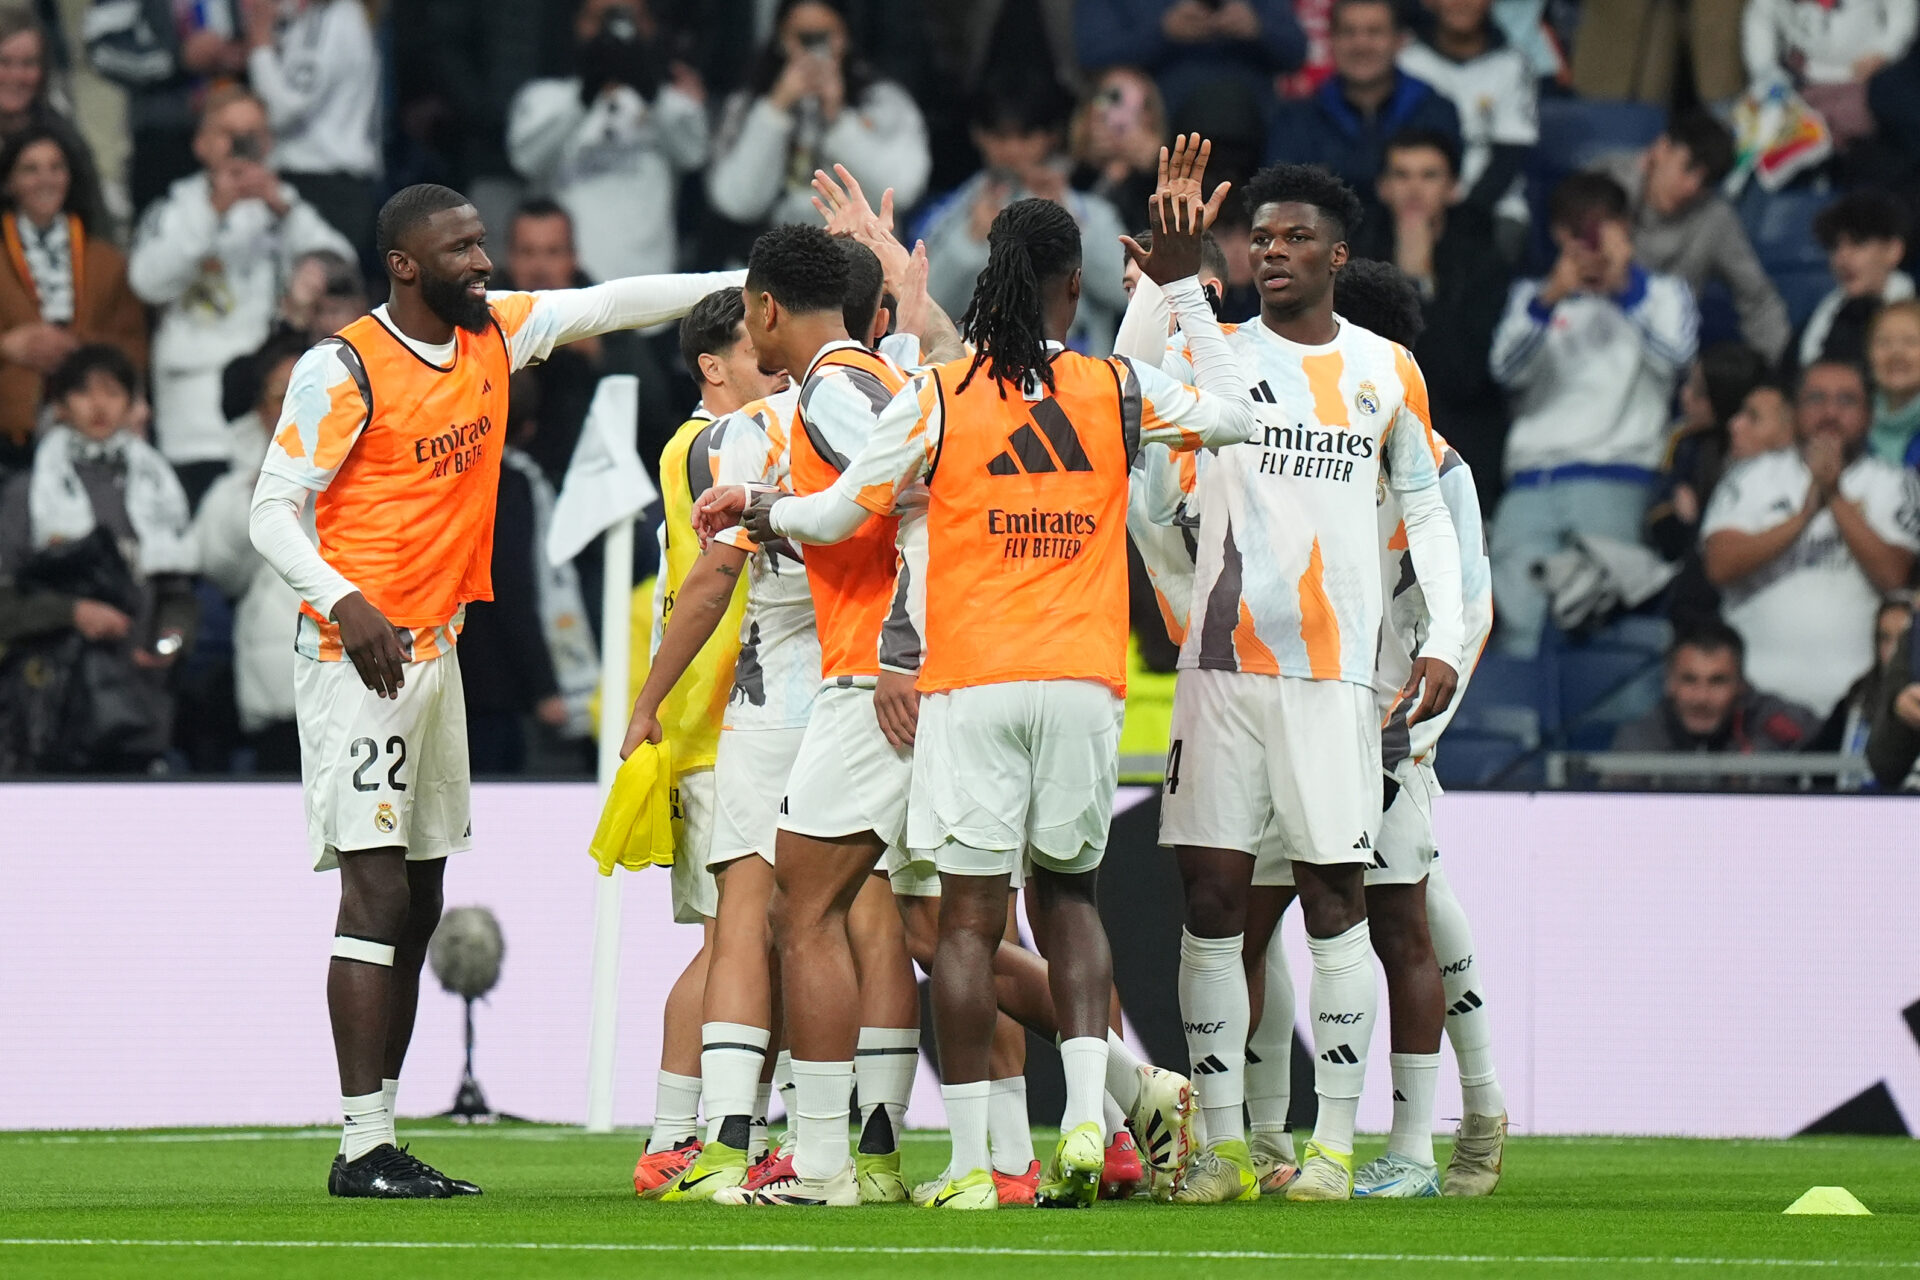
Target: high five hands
[1179,212]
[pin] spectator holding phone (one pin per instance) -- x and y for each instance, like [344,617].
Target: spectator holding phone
[212,257]
[314,65]
[812,103]
[1117,136]
[611,142]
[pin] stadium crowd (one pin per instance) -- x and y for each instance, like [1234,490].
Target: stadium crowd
[1666,317]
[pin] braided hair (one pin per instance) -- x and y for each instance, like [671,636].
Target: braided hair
[1030,243]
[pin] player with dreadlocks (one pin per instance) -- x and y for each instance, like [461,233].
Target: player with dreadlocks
[1017,583]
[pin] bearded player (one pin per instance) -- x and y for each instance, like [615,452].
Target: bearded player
[393,429]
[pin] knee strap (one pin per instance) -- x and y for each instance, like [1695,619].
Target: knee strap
[364,950]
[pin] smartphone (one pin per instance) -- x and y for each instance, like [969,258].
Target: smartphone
[818,42]
[247,146]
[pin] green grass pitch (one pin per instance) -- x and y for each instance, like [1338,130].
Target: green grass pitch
[215,1203]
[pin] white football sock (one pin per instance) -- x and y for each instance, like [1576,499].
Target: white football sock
[1112,1118]
[368,1123]
[1123,1073]
[390,1090]
[1468,1028]
[1270,1055]
[757,1135]
[1344,1001]
[1214,1011]
[822,1098]
[1009,1131]
[732,1055]
[676,1103]
[1083,1060]
[968,1108]
[1414,1076]
[783,1080]
[884,1066]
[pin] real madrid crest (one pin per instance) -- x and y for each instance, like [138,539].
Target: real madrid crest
[1367,398]
[384,820]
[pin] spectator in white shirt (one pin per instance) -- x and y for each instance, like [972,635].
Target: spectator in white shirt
[1589,357]
[314,66]
[1828,49]
[1464,55]
[211,257]
[265,608]
[611,143]
[811,103]
[1803,543]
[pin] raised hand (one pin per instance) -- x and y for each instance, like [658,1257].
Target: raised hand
[844,205]
[1179,212]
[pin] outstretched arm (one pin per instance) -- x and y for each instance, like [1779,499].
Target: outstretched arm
[536,323]
[844,205]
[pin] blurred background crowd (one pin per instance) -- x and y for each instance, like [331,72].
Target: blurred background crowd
[1660,247]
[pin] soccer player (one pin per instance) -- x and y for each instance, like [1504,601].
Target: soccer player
[1273,718]
[393,428]
[714,345]
[1412,914]
[1015,762]
[778,675]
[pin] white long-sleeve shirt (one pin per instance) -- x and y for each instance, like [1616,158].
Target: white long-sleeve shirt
[763,167]
[615,165]
[320,81]
[1830,37]
[560,316]
[1589,379]
[216,279]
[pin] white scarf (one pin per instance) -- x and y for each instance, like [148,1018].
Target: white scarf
[49,256]
[60,511]
[563,611]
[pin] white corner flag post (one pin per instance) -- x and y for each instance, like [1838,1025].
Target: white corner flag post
[604,489]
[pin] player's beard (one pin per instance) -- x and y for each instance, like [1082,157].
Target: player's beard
[449,299]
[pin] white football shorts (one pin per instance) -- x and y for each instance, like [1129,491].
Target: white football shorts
[1404,851]
[848,777]
[1014,774]
[750,771]
[1251,752]
[695,895]
[383,773]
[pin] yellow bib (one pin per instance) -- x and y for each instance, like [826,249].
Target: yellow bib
[636,826]
[690,716]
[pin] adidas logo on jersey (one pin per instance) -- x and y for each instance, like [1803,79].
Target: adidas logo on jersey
[1026,454]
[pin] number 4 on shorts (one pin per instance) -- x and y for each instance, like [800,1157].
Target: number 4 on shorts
[1173,766]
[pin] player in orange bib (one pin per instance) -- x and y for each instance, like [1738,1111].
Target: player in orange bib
[393,429]
[1023,451]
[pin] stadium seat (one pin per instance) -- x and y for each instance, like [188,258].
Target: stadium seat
[1781,228]
[1609,680]
[1575,132]
[1802,288]
[1511,697]
[1469,758]
[1719,322]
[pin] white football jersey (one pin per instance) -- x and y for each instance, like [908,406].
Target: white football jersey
[1287,576]
[1406,621]
[778,671]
